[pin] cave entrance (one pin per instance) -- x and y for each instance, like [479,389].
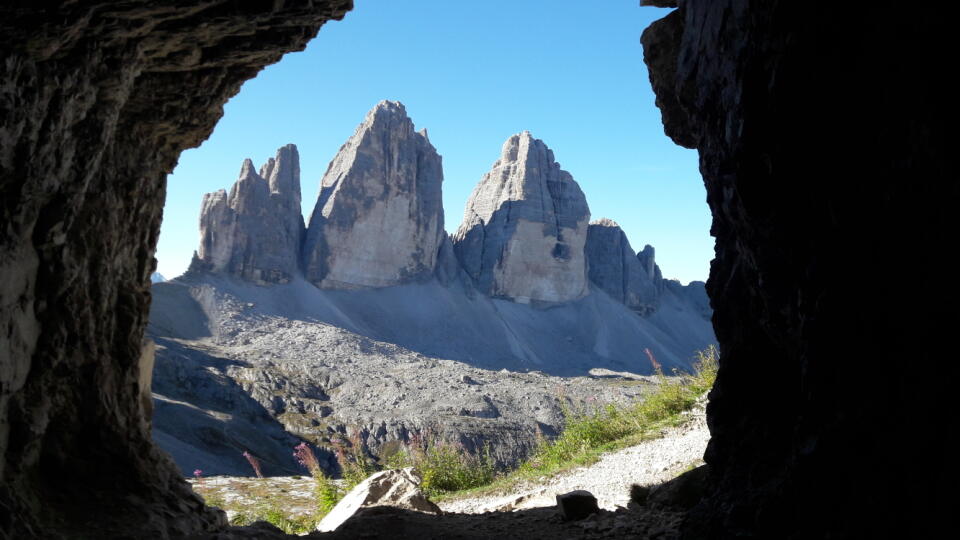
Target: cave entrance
[76,396]
[627,170]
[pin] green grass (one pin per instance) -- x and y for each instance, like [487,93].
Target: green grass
[276,516]
[589,434]
[445,467]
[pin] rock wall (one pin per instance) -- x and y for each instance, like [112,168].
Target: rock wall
[616,269]
[97,104]
[255,232]
[525,226]
[379,218]
[823,146]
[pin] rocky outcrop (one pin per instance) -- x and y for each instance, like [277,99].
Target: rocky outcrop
[525,226]
[379,218]
[255,232]
[618,271]
[693,295]
[399,488]
[98,99]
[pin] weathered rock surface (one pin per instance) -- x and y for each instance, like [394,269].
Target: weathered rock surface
[399,488]
[824,404]
[97,100]
[379,218]
[616,269]
[525,226]
[235,359]
[255,232]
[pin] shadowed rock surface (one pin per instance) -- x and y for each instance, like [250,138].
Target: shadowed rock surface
[379,218]
[524,227]
[98,99]
[255,232]
[824,403]
[615,268]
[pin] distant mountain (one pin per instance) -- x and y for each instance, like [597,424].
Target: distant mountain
[370,320]
[157,277]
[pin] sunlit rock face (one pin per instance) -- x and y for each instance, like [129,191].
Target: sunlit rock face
[256,230]
[379,218]
[525,227]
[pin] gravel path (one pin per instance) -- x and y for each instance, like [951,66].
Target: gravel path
[609,479]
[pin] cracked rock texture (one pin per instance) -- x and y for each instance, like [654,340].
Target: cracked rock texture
[97,104]
[615,268]
[256,230]
[379,218]
[824,403]
[244,367]
[525,226]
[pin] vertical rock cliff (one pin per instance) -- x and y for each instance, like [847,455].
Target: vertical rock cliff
[525,226]
[98,101]
[616,269]
[255,232]
[379,218]
[824,404]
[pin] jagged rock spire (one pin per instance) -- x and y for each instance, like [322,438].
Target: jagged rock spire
[379,218]
[525,226]
[255,232]
[616,269]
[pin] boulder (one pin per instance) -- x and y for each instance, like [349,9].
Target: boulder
[618,271]
[379,218]
[255,231]
[577,505]
[398,487]
[524,228]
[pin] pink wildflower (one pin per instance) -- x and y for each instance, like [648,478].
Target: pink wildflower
[306,458]
[254,462]
[653,361]
[198,474]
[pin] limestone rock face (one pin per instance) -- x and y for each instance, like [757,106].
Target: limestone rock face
[618,271]
[255,232]
[379,218]
[525,227]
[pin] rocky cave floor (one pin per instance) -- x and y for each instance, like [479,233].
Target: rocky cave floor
[537,523]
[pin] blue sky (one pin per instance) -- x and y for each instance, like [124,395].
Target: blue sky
[472,73]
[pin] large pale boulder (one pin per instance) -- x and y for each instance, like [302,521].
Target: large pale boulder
[525,226]
[397,487]
[379,218]
[616,269]
[255,231]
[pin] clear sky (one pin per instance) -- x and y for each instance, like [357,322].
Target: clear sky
[472,73]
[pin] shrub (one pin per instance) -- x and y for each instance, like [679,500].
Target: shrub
[444,466]
[326,491]
[587,433]
[354,461]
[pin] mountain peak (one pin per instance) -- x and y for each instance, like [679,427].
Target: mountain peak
[525,226]
[379,218]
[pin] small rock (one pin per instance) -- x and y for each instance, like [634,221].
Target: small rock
[466,379]
[577,505]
